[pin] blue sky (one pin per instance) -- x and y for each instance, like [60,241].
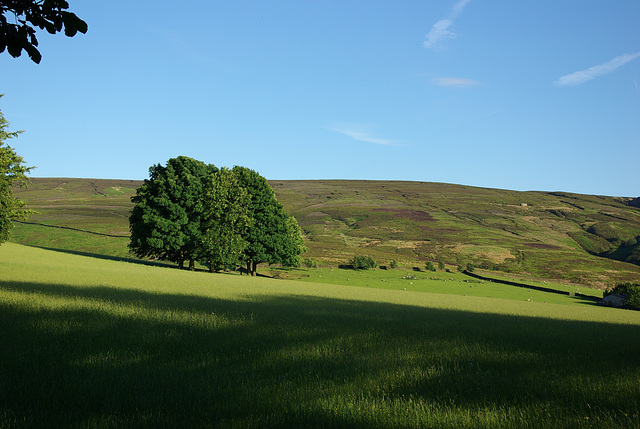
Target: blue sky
[523,95]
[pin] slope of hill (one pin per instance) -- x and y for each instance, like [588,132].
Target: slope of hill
[580,238]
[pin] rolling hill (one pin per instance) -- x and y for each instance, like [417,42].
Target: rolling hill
[586,239]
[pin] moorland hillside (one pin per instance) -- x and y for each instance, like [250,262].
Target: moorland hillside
[586,239]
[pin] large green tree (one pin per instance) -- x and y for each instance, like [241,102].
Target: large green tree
[165,222]
[225,220]
[20,18]
[274,236]
[12,173]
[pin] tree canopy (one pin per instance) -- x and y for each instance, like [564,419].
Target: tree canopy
[165,222]
[221,217]
[274,237]
[19,19]
[226,220]
[12,173]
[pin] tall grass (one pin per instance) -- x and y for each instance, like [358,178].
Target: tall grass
[92,343]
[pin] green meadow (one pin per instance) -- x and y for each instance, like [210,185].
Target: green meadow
[449,283]
[88,342]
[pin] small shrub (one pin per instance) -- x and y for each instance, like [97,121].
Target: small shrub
[632,290]
[429,266]
[441,265]
[393,264]
[508,267]
[310,263]
[487,265]
[363,262]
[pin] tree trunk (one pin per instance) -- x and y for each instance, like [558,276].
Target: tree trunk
[254,268]
[181,264]
[192,265]
[248,268]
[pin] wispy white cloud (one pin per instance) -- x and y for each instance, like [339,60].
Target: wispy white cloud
[458,8]
[582,76]
[440,31]
[455,82]
[363,133]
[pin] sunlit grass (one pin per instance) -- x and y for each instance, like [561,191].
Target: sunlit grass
[93,343]
[440,282]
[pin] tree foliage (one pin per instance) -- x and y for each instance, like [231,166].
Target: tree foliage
[274,236]
[225,220]
[220,217]
[360,262]
[20,18]
[12,173]
[631,290]
[310,263]
[165,222]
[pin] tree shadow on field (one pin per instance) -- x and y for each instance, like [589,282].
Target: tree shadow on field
[100,356]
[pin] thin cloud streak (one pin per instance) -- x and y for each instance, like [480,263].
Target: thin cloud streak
[582,76]
[440,30]
[360,133]
[455,82]
[458,8]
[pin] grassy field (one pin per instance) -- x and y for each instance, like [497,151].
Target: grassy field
[90,216]
[442,283]
[98,343]
[535,234]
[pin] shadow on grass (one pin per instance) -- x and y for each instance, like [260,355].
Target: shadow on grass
[132,260]
[100,356]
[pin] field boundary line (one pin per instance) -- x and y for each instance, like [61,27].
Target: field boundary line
[70,229]
[522,285]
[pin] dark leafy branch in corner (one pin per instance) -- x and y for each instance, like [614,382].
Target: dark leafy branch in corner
[20,18]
